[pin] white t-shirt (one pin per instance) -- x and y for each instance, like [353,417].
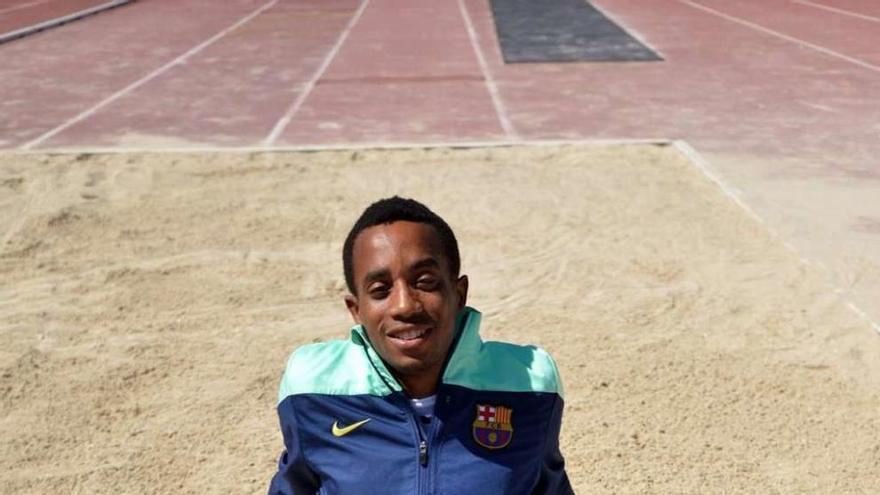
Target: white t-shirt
[424,407]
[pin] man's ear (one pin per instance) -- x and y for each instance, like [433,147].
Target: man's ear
[351,302]
[461,287]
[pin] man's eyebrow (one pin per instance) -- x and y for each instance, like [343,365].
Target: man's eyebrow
[376,274]
[425,263]
[381,273]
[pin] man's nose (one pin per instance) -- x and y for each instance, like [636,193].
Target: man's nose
[405,302]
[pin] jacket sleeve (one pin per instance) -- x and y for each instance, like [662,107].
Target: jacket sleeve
[553,480]
[294,476]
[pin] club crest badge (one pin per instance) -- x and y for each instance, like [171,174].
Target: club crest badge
[492,427]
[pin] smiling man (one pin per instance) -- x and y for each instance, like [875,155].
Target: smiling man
[414,401]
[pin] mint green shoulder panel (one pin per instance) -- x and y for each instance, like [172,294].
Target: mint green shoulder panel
[499,366]
[339,367]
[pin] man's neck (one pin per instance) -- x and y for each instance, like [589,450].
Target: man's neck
[422,385]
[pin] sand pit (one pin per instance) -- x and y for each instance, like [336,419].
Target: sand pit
[148,303]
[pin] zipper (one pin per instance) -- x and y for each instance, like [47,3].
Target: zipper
[422,468]
[432,442]
[425,440]
[423,453]
[431,470]
[422,444]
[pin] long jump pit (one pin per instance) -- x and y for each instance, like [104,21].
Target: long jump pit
[148,302]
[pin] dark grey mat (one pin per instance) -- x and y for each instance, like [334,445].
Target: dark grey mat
[562,31]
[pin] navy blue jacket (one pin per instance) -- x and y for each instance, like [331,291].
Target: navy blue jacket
[349,429]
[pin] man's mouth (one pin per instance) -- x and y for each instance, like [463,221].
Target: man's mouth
[410,335]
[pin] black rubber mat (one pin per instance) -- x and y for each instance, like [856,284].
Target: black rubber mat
[562,31]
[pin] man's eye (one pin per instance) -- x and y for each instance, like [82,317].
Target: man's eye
[427,283]
[378,292]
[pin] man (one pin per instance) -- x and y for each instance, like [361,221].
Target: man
[414,402]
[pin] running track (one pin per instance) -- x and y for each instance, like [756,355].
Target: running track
[781,98]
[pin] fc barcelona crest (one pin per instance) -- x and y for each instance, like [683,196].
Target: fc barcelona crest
[492,427]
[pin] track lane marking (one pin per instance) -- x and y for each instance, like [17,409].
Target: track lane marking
[757,27]
[837,10]
[294,107]
[500,110]
[149,77]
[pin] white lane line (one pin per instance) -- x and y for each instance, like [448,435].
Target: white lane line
[291,112]
[838,11]
[827,51]
[149,77]
[503,118]
[22,6]
[702,164]
[496,47]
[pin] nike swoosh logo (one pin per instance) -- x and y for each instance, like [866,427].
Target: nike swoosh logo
[341,432]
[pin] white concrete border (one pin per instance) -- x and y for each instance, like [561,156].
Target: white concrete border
[703,166]
[380,145]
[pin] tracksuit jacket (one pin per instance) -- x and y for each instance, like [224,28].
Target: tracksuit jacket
[349,429]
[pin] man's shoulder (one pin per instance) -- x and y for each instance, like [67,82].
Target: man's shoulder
[506,367]
[336,367]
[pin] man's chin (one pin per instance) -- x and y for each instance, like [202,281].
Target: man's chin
[409,367]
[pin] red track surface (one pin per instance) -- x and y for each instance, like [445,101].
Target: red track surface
[408,72]
[400,77]
[773,92]
[233,92]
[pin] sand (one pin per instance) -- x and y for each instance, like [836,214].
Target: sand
[148,303]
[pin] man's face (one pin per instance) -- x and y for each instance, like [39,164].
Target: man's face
[406,298]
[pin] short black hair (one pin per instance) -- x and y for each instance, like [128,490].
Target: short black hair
[395,209]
